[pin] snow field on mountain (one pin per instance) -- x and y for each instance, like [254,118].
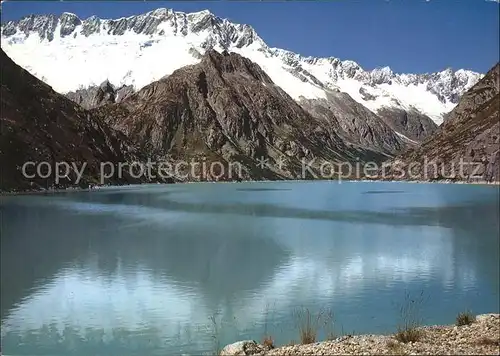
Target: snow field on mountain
[76,61]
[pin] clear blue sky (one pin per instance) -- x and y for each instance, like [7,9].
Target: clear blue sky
[408,35]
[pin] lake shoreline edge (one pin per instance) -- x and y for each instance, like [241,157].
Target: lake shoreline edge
[98,188]
[479,337]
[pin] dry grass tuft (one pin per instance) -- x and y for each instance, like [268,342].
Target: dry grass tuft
[268,343]
[486,341]
[408,335]
[465,318]
[311,324]
[394,347]
[410,320]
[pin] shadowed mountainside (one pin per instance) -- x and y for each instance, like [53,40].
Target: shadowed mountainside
[40,125]
[411,123]
[100,95]
[466,146]
[227,109]
[354,122]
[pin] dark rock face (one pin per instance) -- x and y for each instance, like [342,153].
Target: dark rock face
[366,95]
[445,89]
[355,123]
[411,123]
[68,23]
[143,23]
[226,108]
[105,93]
[45,25]
[485,90]
[467,146]
[40,125]
[91,25]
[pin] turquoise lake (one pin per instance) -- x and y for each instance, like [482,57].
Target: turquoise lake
[187,268]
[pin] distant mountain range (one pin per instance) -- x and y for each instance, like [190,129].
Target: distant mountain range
[138,50]
[182,86]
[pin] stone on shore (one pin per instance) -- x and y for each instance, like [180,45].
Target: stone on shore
[242,348]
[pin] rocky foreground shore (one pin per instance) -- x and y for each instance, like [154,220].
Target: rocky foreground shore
[482,337]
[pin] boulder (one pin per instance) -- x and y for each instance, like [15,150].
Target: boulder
[245,347]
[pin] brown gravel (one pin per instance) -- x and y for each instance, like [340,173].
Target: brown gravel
[480,338]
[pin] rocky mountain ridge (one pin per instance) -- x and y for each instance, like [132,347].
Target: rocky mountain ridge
[227,109]
[42,128]
[352,121]
[128,51]
[223,111]
[466,147]
[103,94]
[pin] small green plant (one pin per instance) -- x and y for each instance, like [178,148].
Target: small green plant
[465,318]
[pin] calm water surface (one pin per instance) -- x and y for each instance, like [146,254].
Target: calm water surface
[148,270]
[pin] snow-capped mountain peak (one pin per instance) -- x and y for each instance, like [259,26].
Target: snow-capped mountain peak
[161,22]
[70,53]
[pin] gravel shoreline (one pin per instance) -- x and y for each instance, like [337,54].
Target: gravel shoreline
[98,187]
[482,337]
